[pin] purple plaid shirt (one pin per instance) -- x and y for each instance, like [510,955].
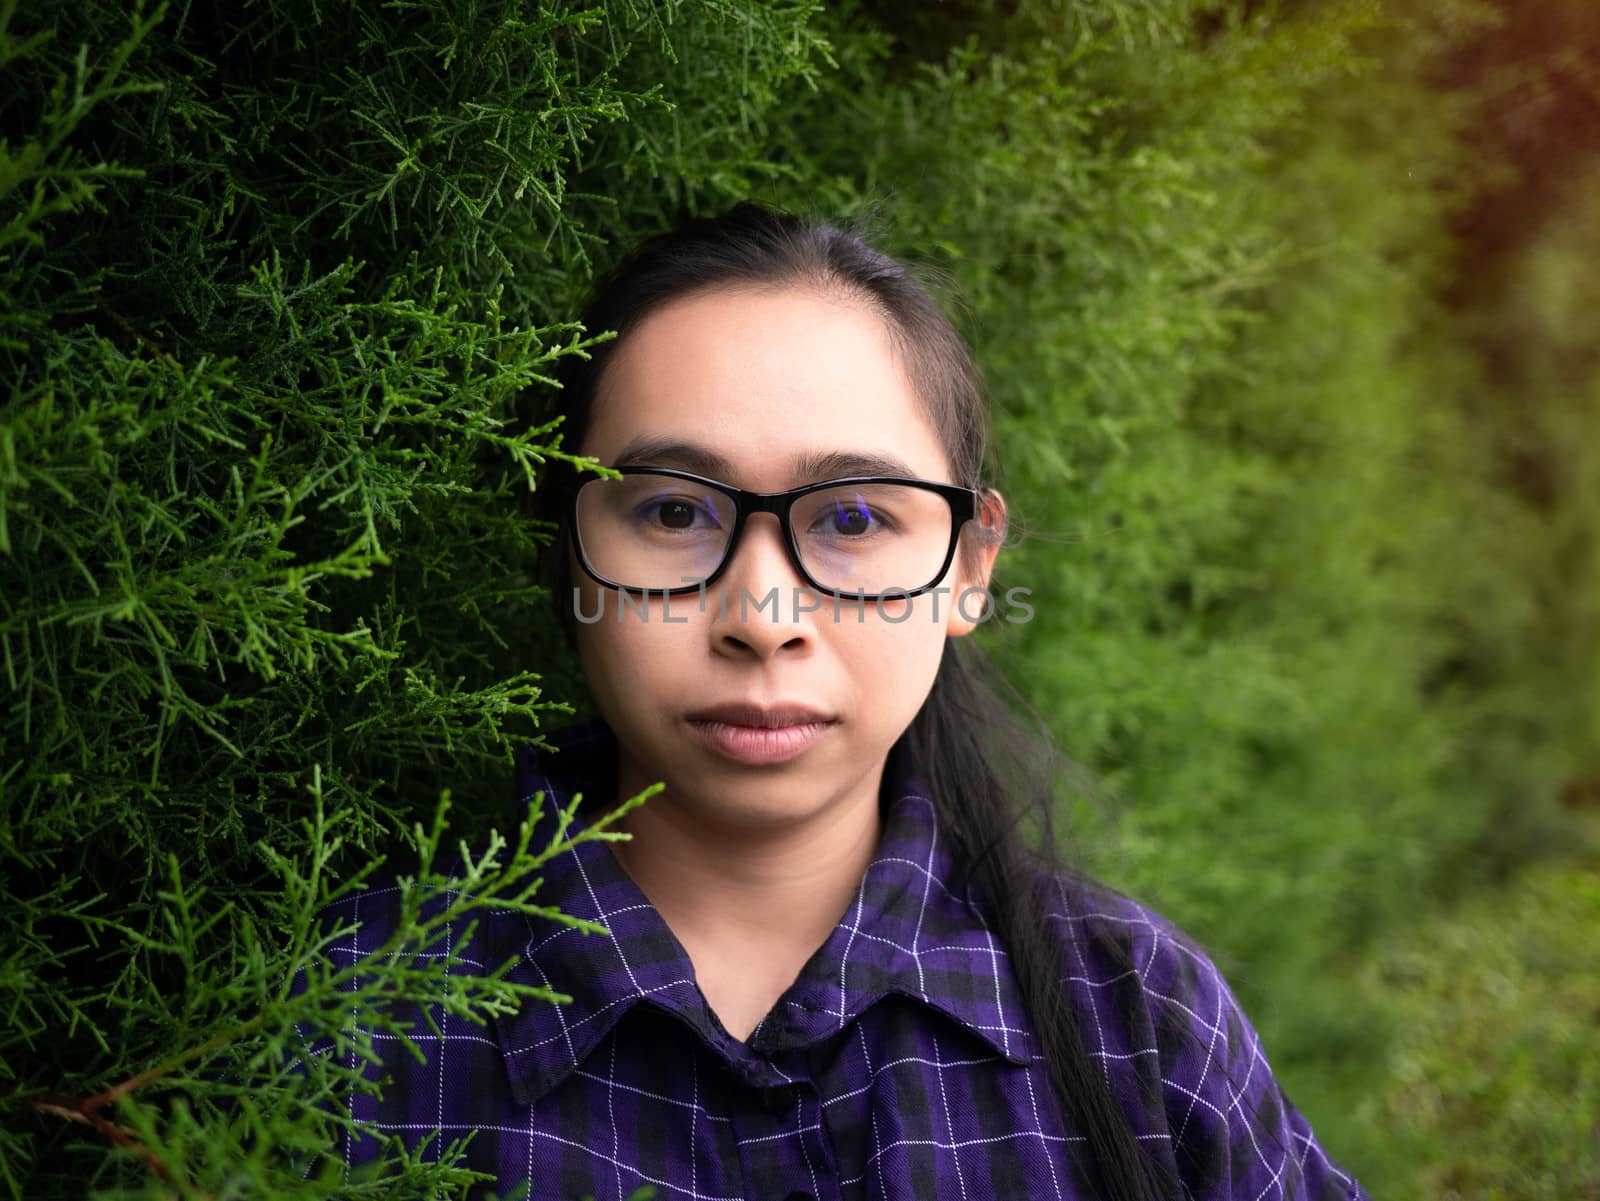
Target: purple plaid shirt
[899,1064]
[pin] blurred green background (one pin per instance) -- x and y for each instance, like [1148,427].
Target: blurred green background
[1289,313]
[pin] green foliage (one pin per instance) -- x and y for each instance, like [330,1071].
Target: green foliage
[1494,1052]
[275,287]
[1284,600]
[233,1098]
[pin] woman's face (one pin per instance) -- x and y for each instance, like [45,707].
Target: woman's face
[761,378]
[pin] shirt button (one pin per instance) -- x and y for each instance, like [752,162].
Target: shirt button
[776,1100]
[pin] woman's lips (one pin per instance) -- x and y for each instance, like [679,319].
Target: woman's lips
[758,745]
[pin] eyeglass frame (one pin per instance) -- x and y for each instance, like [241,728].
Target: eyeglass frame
[963,502]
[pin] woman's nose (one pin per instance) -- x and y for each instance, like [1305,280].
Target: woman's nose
[761,584]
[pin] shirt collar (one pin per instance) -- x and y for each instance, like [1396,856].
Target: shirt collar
[908,931]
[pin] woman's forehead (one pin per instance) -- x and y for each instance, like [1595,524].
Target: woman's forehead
[762,381]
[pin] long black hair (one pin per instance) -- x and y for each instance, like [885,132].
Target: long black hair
[989,768]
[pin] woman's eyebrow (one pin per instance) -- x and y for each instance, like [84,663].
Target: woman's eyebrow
[806,468]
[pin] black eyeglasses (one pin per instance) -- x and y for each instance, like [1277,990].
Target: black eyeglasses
[656,529]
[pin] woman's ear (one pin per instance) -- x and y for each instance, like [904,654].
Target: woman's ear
[971,604]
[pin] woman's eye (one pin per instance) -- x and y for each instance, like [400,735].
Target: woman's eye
[852,518]
[679,513]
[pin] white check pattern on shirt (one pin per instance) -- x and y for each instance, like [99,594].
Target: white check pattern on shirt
[900,1064]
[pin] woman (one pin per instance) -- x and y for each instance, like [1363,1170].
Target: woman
[835,969]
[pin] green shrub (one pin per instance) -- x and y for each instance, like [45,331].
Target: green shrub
[1494,1081]
[275,282]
